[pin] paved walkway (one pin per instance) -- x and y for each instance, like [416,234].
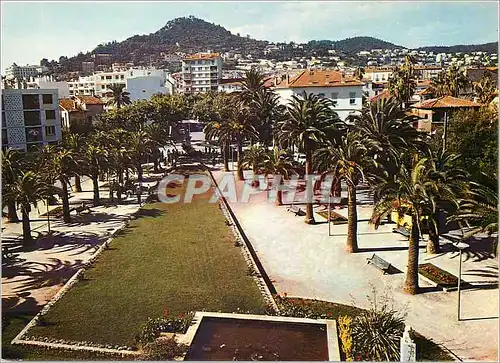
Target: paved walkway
[303,261]
[32,278]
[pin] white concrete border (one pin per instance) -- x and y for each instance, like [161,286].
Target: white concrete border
[331,327]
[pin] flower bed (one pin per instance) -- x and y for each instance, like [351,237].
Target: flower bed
[441,277]
[335,218]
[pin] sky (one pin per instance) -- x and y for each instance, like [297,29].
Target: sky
[35,30]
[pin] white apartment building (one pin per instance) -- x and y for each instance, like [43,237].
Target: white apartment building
[345,93]
[378,74]
[47,82]
[201,72]
[230,85]
[148,81]
[30,117]
[20,72]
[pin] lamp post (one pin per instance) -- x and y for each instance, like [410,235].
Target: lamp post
[329,211]
[461,246]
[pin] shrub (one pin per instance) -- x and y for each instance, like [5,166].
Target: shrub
[153,327]
[163,349]
[345,331]
[376,332]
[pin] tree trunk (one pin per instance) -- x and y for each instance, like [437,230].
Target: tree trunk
[240,169]
[224,151]
[139,172]
[120,183]
[309,192]
[65,201]
[78,184]
[11,212]
[27,239]
[337,188]
[279,194]
[95,183]
[411,282]
[433,246]
[352,220]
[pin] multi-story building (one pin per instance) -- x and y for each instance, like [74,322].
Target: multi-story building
[231,85]
[23,72]
[47,82]
[345,93]
[30,117]
[201,72]
[88,67]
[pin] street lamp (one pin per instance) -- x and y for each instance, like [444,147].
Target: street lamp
[461,246]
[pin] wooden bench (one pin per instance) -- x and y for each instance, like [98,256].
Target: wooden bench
[402,231]
[6,253]
[379,263]
[295,209]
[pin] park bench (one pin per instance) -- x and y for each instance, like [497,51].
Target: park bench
[6,253]
[82,208]
[295,209]
[379,263]
[401,230]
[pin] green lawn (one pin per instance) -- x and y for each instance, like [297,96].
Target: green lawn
[179,257]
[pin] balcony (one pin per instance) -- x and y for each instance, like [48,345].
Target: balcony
[34,134]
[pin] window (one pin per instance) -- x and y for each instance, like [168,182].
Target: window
[122,76]
[50,114]
[335,95]
[50,130]
[108,77]
[32,118]
[103,87]
[31,102]
[4,137]
[117,77]
[426,116]
[102,78]
[352,98]
[34,134]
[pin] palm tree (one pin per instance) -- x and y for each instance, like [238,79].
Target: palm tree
[479,209]
[27,189]
[450,82]
[74,143]
[484,90]
[346,162]
[214,130]
[308,120]
[253,158]
[413,189]
[451,182]
[402,83]
[63,166]
[388,131]
[359,73]
[11,168]
[278,163]
[95,156]
[141,146]
[119,97]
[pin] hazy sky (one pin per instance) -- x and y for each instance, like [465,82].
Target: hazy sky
[35,30]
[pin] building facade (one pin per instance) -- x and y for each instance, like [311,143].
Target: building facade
[30,118]
[23,72]
[345,93]
[201,72]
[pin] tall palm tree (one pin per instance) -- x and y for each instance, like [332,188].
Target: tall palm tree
[27,189]
[450,82]
[484,90]
[95,157]
[479,208]
[215,130]
[63,166]
[402,83]
[75,142]
[11,168]
[451,182]
[278,163]
[359,73]
[308,120]
[346,162]
[413,189]
[388,131]
[119,97]
[140,147]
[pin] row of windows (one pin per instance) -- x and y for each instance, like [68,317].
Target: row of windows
[32,118]
[117,76]
[33,134]
[335,95]
[31,102]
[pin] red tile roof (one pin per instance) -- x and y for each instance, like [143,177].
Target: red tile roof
[91,100]
[67,104]
[445,102]
[319,78]
[427,91]
[382,95]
